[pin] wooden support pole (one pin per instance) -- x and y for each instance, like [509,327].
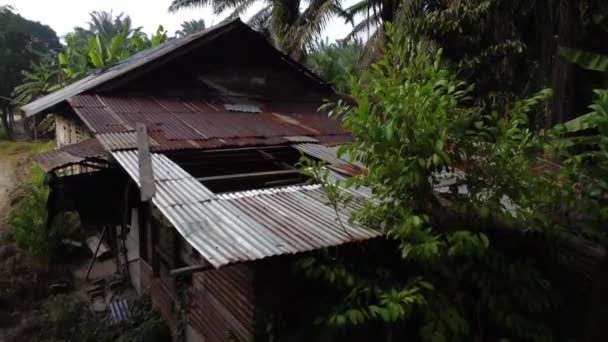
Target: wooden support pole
[103,234]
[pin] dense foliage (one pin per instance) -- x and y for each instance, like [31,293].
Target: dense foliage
[335,62]
[107,41]
[21,42]
[28,222]
[69,316]
[487,251]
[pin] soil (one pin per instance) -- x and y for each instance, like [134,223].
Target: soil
[24,283]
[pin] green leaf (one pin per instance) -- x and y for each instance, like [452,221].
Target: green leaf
[585,59]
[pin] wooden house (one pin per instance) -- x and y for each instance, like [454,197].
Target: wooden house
[227,118]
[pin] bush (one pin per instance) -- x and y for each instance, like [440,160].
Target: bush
[28,222]
[71,319]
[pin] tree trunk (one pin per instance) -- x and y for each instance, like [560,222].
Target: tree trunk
[562,70]
[5,122]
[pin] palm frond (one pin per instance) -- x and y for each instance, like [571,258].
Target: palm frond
[369,24]
[176,5]
[312,22]
[241,8]
[261,20]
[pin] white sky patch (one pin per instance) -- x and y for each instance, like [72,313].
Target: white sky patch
[64,15]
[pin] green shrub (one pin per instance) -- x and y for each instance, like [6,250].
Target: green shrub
[71,319]
[28,222]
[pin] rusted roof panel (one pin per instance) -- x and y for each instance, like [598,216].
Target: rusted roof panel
[175,124]
[70,155]
[121,141]
[248,225]
[330,155]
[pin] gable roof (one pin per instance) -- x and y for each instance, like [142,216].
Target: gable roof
[162,53]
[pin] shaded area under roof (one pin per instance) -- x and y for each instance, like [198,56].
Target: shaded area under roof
[248,225]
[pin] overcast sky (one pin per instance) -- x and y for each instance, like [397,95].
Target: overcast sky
[64,15]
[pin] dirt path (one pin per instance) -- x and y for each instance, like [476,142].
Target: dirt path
[8,178]
[7,182]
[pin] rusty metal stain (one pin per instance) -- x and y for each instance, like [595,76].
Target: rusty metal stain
[176,123]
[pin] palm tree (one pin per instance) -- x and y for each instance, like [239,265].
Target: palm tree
[107,26]
[291,28]
[189,27]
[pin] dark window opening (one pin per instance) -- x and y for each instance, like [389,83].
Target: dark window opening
[242,169]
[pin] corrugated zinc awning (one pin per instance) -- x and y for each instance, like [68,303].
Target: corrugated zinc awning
[70,155]
[247,225]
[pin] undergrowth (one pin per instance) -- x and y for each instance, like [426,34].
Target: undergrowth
[27,222]
[71,319]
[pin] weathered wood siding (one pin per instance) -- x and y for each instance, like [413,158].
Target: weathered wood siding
[69,131]
[223,303]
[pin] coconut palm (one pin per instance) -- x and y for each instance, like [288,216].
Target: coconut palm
[291,27]
[189,27]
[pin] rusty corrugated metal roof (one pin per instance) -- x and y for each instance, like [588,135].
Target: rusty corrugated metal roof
[175,123]
[70,155]
[121,141]
[246,225]
[330,155]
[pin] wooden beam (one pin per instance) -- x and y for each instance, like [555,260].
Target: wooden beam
[248,175]
[274,159]
[190,269]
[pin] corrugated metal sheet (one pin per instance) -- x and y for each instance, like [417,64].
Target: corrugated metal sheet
[92,81]
[175,123]
[70,155]
[247,225]
[121,141]
[329,154]
[223,303]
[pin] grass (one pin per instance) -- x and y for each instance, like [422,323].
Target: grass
[23,149]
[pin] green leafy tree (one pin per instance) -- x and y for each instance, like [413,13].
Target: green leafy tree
[291,27]
[76,60]
[190,27]
[334,61]
[481,250]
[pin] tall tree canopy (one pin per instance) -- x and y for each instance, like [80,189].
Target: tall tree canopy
[508,48]
[22,42]
[292,25]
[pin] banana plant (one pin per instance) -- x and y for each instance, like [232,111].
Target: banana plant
[584,59]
